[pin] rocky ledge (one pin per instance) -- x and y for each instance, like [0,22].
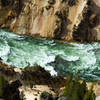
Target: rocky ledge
[37,83]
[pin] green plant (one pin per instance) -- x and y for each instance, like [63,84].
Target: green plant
[90,95]
[69,84]
[3,83]
[43,94]
[31,84]
[75,90]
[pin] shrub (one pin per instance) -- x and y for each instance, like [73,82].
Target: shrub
[3,83]
[75,90]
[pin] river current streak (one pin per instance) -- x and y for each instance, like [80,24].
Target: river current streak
[58,57]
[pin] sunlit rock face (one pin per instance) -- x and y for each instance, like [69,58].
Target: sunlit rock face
[45,18]
[57,19]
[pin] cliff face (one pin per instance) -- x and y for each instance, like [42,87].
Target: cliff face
[89,27]
[58,19]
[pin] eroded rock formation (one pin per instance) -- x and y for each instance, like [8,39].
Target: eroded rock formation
[89,28]
[53,18]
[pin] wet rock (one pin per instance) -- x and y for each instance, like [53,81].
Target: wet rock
[37,75]
[60,63]
[30,74]
[7,70]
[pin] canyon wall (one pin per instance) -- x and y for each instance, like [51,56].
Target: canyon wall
[89,27]
[58,19]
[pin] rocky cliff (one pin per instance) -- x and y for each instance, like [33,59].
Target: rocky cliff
[58,19]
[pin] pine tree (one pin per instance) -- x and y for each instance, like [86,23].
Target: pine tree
[75,94]
[83,89]
[75,90]
[90,94]
[69,85]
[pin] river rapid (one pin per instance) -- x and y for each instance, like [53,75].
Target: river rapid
[58,57]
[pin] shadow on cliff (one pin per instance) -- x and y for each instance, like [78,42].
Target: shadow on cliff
[9,9]
[61,31]
[86,31]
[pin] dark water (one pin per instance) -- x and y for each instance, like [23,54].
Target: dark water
[57,57]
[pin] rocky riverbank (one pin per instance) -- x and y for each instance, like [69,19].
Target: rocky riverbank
[35,75]
[35,80]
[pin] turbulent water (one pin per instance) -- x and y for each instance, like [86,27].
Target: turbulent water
[57,57]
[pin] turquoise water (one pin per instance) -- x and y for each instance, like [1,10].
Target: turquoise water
[58,57]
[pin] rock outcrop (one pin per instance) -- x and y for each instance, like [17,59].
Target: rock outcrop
[89,27]
[57,19]
[9,91]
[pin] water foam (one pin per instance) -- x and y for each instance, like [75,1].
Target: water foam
[57,57]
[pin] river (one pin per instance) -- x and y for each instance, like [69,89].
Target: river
[58,57]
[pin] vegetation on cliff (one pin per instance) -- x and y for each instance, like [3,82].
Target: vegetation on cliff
[9,91]
[76,90]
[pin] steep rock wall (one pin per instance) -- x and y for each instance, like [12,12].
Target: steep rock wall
[45,18]
[57,19]
[89,27]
